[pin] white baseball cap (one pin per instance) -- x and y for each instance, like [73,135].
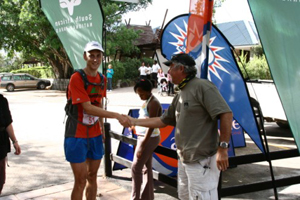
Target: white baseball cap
[93,45]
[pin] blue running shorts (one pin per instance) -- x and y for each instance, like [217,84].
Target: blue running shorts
[77,150]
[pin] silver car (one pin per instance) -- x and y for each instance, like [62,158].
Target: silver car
[22,80]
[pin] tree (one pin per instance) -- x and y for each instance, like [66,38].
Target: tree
[25,29]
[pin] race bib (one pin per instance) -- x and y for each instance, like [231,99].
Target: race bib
[89,119]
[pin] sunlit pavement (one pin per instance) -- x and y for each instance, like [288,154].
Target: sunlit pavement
[41,171]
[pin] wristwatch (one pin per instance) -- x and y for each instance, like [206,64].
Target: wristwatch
[224,145]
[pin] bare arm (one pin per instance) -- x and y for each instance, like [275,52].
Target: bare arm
[13,138]
[100,112]
[101,122]
[225,132]
[154,122]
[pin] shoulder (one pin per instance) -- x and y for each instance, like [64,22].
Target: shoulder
[76,78]
[203,83]
[154,103]
[76,75]
[2,98]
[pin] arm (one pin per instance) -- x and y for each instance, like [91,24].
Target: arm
[225,132]
[154,122]
[102,123]
[100,112]
[13,138]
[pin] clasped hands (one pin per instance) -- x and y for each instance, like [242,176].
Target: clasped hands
[126,120]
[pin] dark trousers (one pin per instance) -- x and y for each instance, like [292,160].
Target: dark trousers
[154,77]
[109,84]
[2,173]
[171,88]
[143,77]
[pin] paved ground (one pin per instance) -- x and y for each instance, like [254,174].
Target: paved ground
[41,171]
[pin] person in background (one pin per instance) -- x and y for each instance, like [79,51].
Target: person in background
[109,75]
[170,85]
[83,142]
[160,74]
[147,141]
[6,134]
[155,68]
[143,71]
[149,69]
[195,112]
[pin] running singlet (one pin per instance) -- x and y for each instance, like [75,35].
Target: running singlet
[79,95]
[143,113]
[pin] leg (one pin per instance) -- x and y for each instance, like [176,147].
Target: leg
[169,88]
[136,173]
[80,175]
[93,161]
[91,187]
[109,83]
[203,178]
[183,192]
[148,190]
[2,173]
[138,169]
[75,152]
[110,86]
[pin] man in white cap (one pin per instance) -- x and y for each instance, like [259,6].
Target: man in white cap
[84,127]
[195,112]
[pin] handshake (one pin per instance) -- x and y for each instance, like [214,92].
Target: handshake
[126,120]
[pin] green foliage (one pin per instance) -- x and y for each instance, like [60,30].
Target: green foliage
[119,72]
[121,39]
[24,28]
[147,61]
[127,70]
[131,66]
[242,63]
[7,64]
[258,50]
[39,72]
[256,68]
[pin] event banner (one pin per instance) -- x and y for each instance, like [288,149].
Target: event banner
[222,70]
[277,22]
[76,22]
[198,33]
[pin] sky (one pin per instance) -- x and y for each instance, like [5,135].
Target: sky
[231,10]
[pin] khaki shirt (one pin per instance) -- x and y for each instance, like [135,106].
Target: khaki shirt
[194,112]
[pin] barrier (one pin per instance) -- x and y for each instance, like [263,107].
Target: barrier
[233,161]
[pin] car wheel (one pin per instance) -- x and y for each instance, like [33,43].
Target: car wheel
[10,87]
[42,86]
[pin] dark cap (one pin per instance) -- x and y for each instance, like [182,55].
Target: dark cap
[182,58]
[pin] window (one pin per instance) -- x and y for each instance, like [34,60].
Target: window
[17,77]
[28,77]
[6,78]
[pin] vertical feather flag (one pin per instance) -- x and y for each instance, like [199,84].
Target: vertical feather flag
[76,22]
[277,22]
[198,33]
[222,70]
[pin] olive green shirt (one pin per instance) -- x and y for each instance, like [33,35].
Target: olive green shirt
[194,112]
